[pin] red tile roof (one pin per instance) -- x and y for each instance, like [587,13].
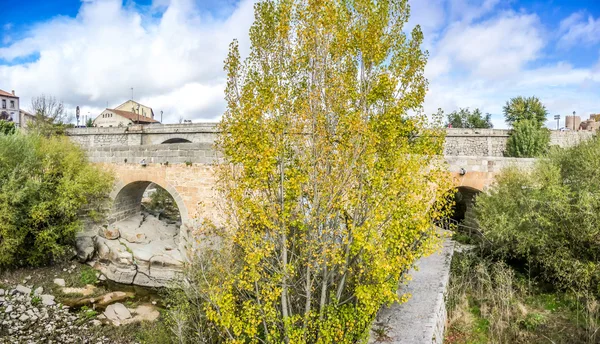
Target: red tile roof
[133,116]
[7,94]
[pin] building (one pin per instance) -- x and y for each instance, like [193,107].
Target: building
[128,113]
[9,107]
[25,118]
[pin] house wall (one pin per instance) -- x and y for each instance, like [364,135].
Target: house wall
[12,111]
[111,120]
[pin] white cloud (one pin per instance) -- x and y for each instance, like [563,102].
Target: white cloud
[173,62]
[576,28]
[494,48]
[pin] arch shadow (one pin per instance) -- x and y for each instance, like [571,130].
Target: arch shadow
[176,140]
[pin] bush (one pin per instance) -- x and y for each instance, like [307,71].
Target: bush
[7,128]
[527,140]
[46,186]
[548,218]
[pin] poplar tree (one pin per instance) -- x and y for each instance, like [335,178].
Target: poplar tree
[332,179]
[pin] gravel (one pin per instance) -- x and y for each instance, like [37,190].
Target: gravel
[39,319]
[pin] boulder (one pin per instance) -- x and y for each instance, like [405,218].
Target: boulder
[23,290]
[38,291]
[47,300]
[117,312]
[59,282]
[110,233]
[84,245]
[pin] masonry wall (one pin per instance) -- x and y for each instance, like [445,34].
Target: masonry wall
[492,142]
[459,142]
[169,154]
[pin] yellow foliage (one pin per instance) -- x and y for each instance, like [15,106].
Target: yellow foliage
[331,177]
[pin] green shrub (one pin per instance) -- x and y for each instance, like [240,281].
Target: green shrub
[7,128]
[46,187]
[548,218]
[527,140]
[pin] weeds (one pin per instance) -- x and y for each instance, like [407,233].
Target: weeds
[489,302]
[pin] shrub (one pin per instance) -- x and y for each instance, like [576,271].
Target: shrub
[548,218]
[527,140]
[46,186]
[7,128]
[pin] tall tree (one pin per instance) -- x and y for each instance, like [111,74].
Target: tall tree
[521,108]
[465,118]
[50,116]
[330,192]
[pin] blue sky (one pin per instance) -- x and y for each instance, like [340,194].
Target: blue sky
[482,53]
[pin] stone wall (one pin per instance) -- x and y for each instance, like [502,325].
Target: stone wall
[136,135]
[492,142]
[176,153]
[463,142]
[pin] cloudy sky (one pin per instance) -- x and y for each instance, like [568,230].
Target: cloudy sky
[482,52]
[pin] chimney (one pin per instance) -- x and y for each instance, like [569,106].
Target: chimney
[13,92]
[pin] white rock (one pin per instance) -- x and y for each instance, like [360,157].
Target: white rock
[23,290]
[48,300]
[38,291]
[59,282]
[8,309]
[117,312]
[23,317]
[1,292]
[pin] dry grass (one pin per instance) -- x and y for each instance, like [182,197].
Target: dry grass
[488,302]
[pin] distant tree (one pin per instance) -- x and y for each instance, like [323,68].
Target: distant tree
[7,128]
[527,140]
[521,108]
[89,123]
[50,116]
[465,118]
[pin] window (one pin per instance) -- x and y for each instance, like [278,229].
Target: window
[4,103]
[12,104]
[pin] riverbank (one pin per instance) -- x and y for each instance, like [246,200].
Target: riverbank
[71,303]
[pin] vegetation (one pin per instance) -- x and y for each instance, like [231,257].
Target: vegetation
[529,138]
[492,302]
[465,118]
[162,204]
[536,275]
[521,108]
[50,117]
[89,123]
[7,128]
[330,191]
[46,186]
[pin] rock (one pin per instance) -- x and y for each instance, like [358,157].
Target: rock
[38,291]
[2,292]
[117,312]
[96,322]
[110,233]
[88,290]
[23,290]
[8,309]
[59,281]
[23,317]
[100,301]
[48,300]
[146,313]
[84,245]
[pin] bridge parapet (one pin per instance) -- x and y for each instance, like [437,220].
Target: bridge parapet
[176,153]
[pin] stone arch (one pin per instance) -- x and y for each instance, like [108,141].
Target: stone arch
[127,199]
[464,199]
[176,140]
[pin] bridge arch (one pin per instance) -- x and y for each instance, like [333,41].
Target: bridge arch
[176,140]
[127,199]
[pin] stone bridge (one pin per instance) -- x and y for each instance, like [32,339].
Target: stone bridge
[179,159]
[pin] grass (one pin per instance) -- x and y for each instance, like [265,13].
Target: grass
[489,302]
